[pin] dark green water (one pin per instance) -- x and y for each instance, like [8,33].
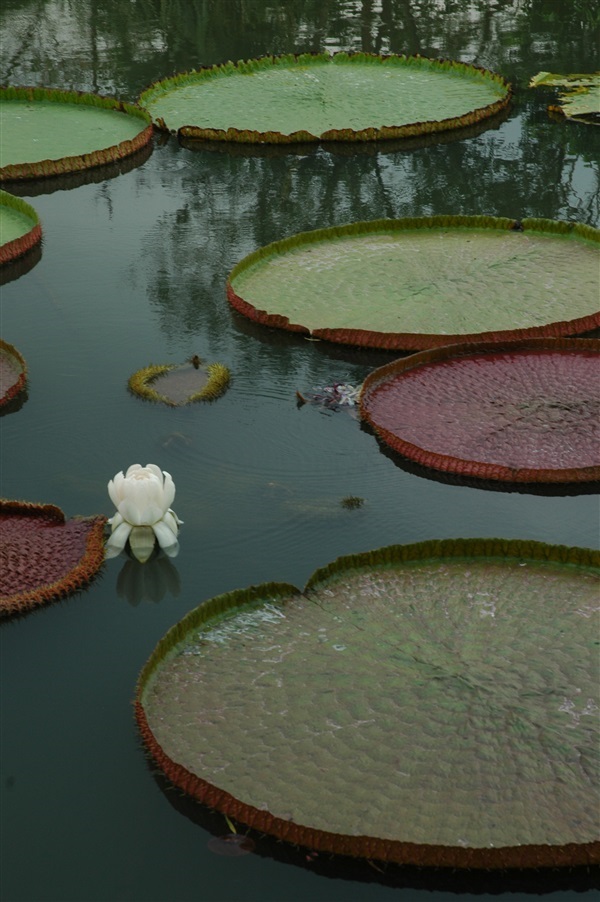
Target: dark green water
[132,272]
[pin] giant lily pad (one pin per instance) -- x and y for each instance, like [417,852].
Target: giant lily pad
[20,228]
[177,385]
[523,411]
[311,97]
[49,132]
[580,99]
[418,283]
[44,557]
[431,704]
[13,373]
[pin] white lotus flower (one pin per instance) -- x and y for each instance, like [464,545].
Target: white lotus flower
[143,498]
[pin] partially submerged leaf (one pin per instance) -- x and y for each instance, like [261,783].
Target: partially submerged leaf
[232,845]
[564,81]
[432,704]
[580,100]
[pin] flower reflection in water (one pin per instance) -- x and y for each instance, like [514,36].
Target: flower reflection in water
[151,581]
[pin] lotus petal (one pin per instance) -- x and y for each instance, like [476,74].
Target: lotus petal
[117,540]
[166,537]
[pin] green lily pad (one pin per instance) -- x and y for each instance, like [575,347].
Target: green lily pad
[581,98]
[13,373]
[431,704]
[312,97]
[49,132]
[416,283]
[20,228]
[43,556]
[176,385]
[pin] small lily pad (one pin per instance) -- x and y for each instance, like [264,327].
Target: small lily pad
[519,412]
[13,373]
[432,704]
[20,228]
[47,132]
[423,282]
[177,385]
[318,97]
[43,556]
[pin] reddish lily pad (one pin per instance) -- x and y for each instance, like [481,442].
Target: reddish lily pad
[516,411]
[318,97]
[44,557]
[13,373]
[177,385]
[48,132]
[432,704]
[20,228]
[416,283]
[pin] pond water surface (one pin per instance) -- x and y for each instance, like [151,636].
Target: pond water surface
[133,272]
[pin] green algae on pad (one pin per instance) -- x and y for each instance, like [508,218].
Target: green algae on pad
[47,132]
[177,385]
[521,412]
[13,373]
[415,283]
[312,97]
[432,704]
[580,99]
[43,556]
[20,227]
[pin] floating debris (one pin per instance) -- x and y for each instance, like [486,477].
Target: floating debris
[352,502]
[331,397]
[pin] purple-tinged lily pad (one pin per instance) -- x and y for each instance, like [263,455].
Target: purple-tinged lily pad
[176,385]
[44,557]
[432,704]
[520,412]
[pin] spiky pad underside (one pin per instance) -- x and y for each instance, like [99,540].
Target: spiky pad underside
[20,227]
[422,282]
[13,372]
[312,97]
[433,704]
[177,385]
[44,557]
[523,411]
[48,132]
